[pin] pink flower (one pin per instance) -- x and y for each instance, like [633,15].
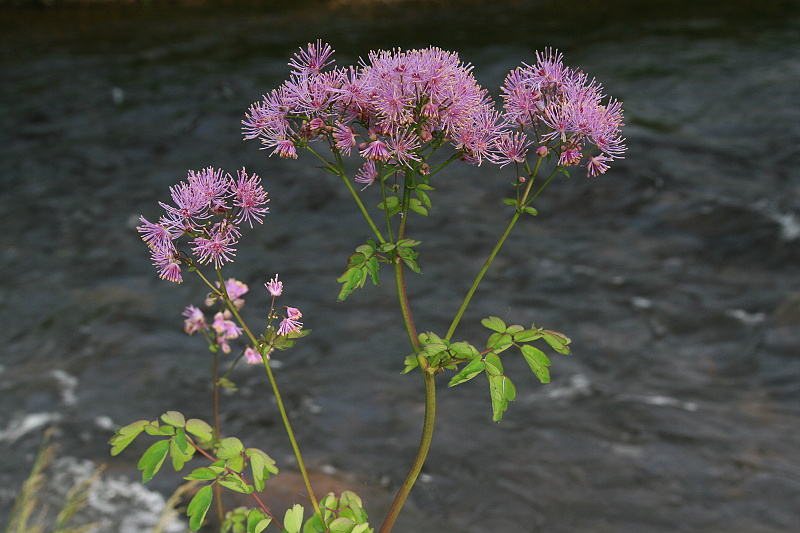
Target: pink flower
[224,327]
[290,324]
[344,137]
[167,259]
[376,151]
[195,320]
[274,287]
[367,174]
[251,356]
[250,197]
[511,148]
[597,165]
[218,246]
[312,60]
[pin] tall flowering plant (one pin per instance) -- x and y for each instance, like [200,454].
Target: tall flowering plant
[404,116]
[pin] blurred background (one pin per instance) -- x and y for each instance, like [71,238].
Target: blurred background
[675,274]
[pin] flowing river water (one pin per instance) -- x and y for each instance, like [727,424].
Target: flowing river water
[675,274]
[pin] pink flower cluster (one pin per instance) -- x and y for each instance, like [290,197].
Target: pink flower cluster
[396,104]
[208,208]
[387,109]
[557,107]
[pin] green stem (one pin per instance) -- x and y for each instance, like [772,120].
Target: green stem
[422,450]
[281,408]
[525,200]
[338,169]
[430,386]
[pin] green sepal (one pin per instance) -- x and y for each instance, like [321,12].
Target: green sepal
[153,458]
[125,435]
[494,324]
[293,519]
[199,429]
[538,362]
[475,367]
[198,507]
[174,418]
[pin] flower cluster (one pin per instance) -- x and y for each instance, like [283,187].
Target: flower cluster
[396,104]
[223,329]
[559,107]
[208,208]
[388,109]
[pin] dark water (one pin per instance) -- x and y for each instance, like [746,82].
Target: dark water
[676,274]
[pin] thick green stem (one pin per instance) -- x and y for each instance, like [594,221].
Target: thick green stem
[430,386]
[422,450]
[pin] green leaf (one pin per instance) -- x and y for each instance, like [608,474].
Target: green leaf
[293,519]
[423,197]
[125,435]
[257,521]
[502,391]
[202,474]
[416,205]
[494,324]
[510,201]
[353,278]
[475,367]
[180,439]
[174,418]
[538,362]
[464,350]
[558,341]
[530,210]
[262,465]
[152,459]
[499,342]
[411,363]
[159,431]
[198,507]
[179,457]
[391,202]
[373,268]
[511,330]
[227,384]
[230,447]
[341,525]
[527,335]
[199,429]
[408,243]
[237,484]
[361,528]
[493,365]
